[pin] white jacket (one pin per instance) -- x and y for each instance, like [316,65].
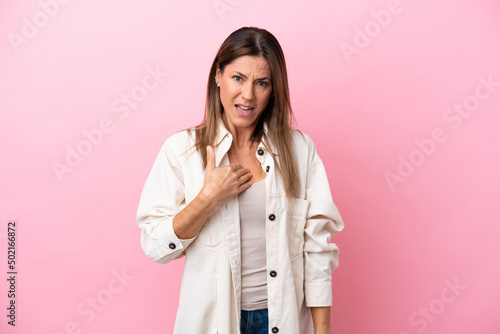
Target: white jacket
[299,251]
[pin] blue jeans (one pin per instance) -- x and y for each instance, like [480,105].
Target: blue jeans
[254,322]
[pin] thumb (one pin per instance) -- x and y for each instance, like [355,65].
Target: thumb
[210,158]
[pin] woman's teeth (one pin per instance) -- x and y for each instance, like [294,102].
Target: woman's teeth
[243,109]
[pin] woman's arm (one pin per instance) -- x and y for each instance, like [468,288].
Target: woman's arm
[321,255]
[189,221]
[321,319]
[161,198]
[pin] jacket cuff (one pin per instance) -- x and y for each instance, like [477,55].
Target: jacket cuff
[169,244]
[318,294]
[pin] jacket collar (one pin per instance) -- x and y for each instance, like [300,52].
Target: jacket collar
[223,132]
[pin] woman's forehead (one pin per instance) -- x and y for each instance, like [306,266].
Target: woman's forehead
[251,65]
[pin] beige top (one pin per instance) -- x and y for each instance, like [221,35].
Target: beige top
[252,205]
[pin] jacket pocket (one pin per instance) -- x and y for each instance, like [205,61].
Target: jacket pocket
[297,215]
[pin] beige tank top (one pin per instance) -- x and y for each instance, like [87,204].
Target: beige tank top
[252,204]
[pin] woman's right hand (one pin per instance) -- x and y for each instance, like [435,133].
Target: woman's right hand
[224,182]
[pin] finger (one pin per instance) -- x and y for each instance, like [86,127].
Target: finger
[210,158]
[243,171]
[245,186]
[246,177]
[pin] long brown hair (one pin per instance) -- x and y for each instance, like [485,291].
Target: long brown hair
[251,41]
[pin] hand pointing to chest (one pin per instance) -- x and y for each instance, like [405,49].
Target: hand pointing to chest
[224,182]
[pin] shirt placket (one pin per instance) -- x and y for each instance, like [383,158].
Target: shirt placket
[273,200]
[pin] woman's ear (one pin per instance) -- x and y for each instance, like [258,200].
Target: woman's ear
[218,76]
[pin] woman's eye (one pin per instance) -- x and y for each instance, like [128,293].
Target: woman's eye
[237,78]
[262,83]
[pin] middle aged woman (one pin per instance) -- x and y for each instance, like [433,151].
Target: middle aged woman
[246,199]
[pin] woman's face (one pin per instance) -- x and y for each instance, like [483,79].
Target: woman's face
[245,89]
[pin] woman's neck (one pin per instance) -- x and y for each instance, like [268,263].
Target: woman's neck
[241,136]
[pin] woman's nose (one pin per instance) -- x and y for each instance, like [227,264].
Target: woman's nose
[247,91]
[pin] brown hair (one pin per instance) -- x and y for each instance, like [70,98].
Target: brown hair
[250,41]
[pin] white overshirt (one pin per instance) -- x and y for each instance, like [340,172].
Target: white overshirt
[300,256]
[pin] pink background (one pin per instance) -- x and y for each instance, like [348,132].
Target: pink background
[405,242]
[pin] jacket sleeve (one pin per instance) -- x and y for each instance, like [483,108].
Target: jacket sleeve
[162,197]
[323,221]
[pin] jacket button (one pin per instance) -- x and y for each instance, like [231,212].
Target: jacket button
[275,330]
[260,151]
[171,245]
[267,169]
[272,217]
[273,274]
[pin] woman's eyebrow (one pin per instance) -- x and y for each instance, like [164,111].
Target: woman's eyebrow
[244,76]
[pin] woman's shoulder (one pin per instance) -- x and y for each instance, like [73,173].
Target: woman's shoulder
[302,139]
[180,141]
[304,147]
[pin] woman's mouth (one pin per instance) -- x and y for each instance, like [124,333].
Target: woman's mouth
[243,110]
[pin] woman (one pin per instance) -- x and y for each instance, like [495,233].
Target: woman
[245,198]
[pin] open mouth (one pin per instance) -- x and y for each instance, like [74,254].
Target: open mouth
[243,109]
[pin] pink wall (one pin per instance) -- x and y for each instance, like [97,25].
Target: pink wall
[395,95]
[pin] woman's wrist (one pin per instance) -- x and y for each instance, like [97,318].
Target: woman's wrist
[207,198]
[322,330]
